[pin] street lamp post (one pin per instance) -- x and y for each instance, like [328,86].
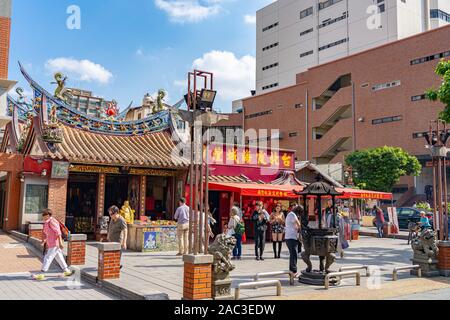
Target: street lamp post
[437,138]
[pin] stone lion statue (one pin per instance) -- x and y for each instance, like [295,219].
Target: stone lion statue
[425,243]
[221,250]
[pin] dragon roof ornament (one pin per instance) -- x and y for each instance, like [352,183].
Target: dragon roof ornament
[70,116]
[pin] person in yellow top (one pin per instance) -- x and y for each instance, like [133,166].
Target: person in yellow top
[127,213]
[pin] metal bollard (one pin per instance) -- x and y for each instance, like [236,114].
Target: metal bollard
[256,285]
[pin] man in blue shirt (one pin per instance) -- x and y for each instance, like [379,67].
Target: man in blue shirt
[182,217]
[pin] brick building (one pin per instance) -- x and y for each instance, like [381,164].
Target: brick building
[369,99]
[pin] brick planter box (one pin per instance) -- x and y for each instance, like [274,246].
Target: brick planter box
[197,283]
[444,258]
[76,251]
[109,261]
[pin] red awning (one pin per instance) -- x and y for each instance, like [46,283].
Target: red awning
[364,194]
[257,190]
[286,191]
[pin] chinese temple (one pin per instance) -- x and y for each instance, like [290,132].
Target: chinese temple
[80,165]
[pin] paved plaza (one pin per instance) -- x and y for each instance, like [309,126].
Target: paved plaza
[150,273]
[160,275]
[19,260]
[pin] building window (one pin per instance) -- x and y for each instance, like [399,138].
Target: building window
[418,135]
[273,65]
[331,21]
[270,27]
[270,86]
[306,32]
[304,54]
[327,4]
[293,134]
[418,98]
[439,14]
[270,46]
[307,12]
[36,198]
[387,120]
[386,85]
[436,56]
[259,114]
[336,43]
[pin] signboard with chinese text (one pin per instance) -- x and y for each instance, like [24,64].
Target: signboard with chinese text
[251,156]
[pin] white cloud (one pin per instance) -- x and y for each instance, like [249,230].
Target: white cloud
[250,19]
[233,77]
[189,10]
[82,70]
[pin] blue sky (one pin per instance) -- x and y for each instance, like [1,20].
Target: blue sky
[125,49]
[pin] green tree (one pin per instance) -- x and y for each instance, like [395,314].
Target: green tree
[443,93]
[379,169]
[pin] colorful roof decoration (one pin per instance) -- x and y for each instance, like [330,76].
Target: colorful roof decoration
[70,116]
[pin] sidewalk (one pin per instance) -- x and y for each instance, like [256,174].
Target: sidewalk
[150,273]
[19,260]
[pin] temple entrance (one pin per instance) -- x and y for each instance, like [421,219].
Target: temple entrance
[81,203]
[158,198]
[121,188]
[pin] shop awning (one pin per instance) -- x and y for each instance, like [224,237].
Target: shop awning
[258,190]
[286,191]
[364,194]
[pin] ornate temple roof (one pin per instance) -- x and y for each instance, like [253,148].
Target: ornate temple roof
[53,129]
[150,150]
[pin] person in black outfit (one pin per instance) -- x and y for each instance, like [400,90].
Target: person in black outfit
[260,218]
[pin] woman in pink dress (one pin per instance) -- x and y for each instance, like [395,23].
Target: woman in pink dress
[52,239]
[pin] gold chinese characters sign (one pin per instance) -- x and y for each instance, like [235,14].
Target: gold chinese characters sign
[118,170]
[239,156]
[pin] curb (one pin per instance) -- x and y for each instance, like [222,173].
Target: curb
[107,286]
[374,235]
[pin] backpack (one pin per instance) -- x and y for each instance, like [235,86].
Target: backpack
[240,228]
[65,233]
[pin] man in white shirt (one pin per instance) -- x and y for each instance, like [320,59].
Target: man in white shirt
[292,231]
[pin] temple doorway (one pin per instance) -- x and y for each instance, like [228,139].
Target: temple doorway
[82,203]
[121,188]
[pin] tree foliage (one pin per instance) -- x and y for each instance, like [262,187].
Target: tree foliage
[443,93]
[379,169]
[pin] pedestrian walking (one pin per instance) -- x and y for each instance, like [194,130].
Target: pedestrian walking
[236,229]
[277,222]
[182,218]
[52,240]
[292,237]
[379,220]
[260,218]
[118,229]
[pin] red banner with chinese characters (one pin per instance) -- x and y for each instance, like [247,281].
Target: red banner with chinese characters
[251,157]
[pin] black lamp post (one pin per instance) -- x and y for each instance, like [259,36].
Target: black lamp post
[437,139]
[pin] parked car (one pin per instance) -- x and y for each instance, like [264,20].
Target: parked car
[407,215]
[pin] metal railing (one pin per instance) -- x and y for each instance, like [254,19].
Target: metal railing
[274,274]
[256,285]
[340,275]
[406,268]
[353,268]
